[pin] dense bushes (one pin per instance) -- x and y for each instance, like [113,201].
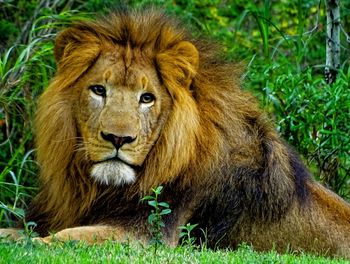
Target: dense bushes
[314,118]
[283,52]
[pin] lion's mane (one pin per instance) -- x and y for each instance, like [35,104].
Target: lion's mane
[216,147]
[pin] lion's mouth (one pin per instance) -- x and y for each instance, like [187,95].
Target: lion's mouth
[117,159]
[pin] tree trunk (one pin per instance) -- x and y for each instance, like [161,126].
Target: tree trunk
[333,40]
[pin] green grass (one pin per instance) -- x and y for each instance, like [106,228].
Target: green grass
[111,252]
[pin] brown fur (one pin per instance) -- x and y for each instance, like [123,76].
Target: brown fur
[221,163]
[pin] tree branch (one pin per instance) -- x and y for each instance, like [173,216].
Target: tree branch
[332,40]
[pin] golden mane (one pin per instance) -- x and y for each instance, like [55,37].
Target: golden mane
[220,161]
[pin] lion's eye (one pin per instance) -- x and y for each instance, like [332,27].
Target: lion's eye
[147,98]
[98,89]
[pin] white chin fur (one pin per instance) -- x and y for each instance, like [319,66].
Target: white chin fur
[113,173]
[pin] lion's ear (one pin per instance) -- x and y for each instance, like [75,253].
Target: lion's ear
[178,65]
[76,48]
[65,41]
[70,43]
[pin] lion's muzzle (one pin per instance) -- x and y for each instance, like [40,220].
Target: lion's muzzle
[117,141]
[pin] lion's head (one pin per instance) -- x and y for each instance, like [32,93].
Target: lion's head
[120,88]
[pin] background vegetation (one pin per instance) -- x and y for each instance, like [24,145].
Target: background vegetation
[282,44]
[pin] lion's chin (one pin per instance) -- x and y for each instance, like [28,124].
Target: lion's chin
[113,173]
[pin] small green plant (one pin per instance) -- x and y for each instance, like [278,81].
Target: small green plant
[186,234]
[155,217]
[28,231]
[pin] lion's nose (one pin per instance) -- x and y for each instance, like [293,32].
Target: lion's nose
[117,141]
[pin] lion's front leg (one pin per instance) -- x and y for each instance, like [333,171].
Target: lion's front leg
[10,233]
[92,234]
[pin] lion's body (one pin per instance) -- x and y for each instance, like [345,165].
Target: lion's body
[204,139]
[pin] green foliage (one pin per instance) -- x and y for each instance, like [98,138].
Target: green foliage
[28,232]
[155,218]
[185,234]
[25,71]
[23,75]
[11,15]
[313,117]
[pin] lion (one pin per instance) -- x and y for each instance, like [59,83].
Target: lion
[136,103]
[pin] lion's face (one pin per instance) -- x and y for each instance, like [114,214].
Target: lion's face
[120,109]
[121,105]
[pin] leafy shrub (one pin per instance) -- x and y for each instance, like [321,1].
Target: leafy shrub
[314,118]
[155,218]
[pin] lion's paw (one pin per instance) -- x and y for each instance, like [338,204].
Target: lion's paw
[43,240]
[11,234]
